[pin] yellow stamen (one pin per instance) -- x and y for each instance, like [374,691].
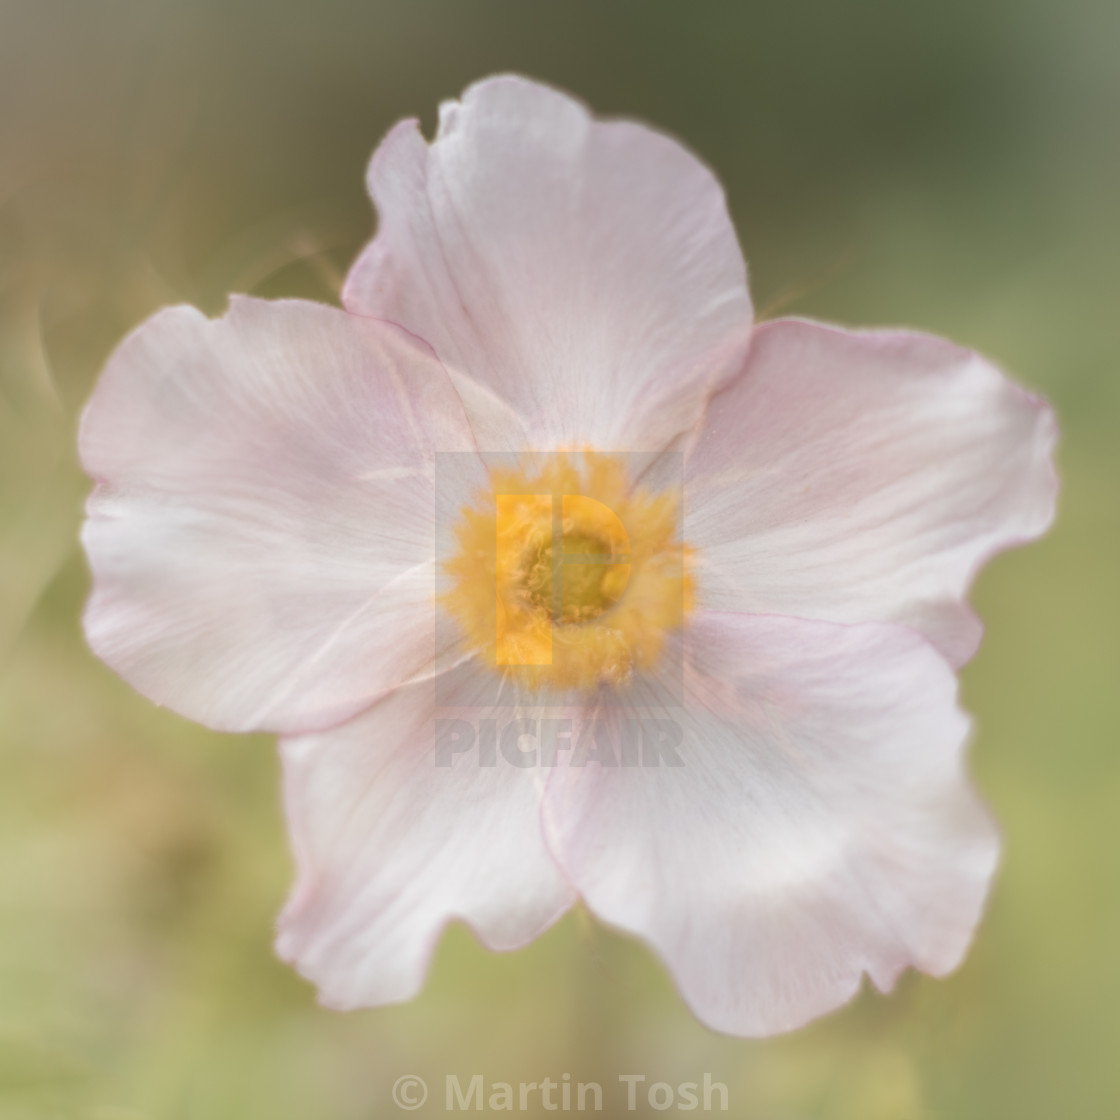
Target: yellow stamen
[565,576]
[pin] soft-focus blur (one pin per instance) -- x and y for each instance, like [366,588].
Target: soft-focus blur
[952,166]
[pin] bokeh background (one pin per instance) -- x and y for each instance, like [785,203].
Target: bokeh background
[953,166]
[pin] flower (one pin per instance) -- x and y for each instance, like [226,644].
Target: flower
[543,478]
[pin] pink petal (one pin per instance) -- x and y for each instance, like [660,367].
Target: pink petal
[865,476]
[391,846]
[585,273]
[261,536]
[821,825]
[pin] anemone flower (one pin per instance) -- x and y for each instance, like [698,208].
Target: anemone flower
[559,579]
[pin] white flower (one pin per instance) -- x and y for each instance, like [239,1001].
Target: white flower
[276,545]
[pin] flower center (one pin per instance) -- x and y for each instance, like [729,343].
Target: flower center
[578,584]
[566,576]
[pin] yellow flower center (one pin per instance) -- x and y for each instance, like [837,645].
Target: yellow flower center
[565,576]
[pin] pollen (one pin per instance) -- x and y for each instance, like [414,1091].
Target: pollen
[566,575]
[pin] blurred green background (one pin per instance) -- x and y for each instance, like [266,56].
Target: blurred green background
[953,166]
